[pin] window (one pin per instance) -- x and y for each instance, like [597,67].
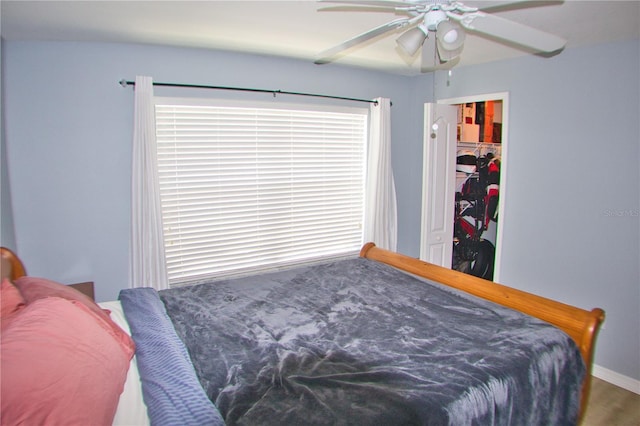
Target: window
[244,188]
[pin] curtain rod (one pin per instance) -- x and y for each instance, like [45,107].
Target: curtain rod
[125,83]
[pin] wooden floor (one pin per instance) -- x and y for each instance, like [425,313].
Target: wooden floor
[610,405]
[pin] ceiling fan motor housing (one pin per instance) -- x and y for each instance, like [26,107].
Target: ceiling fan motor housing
[433,18]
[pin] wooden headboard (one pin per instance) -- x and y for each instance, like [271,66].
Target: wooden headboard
[11,266]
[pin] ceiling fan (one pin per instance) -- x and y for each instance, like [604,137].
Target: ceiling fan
[437,28]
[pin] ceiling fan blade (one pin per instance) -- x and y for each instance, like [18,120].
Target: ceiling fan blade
[378,3]
[504,5]
[328,55]
[494,4]
[429,59]
[510,31]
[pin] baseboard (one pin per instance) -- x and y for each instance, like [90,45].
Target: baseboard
[617,379]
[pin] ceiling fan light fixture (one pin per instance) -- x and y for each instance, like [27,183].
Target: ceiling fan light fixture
[411,41]
[450,36]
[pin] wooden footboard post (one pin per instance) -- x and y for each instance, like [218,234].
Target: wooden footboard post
[587,348]
[581,325]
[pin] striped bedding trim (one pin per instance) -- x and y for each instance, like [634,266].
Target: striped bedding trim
[170,387]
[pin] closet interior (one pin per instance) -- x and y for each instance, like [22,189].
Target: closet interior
[479,136]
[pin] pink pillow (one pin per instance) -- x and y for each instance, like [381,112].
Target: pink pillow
[60,365]
[10,299]
[33,288]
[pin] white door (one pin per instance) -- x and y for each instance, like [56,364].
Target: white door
[439,176]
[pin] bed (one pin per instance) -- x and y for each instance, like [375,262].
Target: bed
[379,339]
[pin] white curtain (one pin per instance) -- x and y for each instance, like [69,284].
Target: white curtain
[147,246]
[380,194]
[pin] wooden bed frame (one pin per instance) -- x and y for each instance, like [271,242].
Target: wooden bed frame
[581,325]
[11,266]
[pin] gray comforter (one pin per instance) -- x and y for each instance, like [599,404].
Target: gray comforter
[358,342]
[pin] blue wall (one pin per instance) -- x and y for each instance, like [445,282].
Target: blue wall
[571,226]
[7,229]
[69,126]
[572,199]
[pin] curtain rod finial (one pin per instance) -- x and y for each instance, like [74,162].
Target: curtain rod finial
[123,83]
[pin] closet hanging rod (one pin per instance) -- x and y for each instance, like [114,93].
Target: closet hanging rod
[125,83]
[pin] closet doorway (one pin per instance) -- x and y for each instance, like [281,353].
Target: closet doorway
[464,175]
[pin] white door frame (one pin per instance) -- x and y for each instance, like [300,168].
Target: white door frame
[504,96]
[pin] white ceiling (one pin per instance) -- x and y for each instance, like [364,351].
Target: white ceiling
[296,28]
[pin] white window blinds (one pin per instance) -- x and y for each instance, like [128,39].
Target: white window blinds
[245,188]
